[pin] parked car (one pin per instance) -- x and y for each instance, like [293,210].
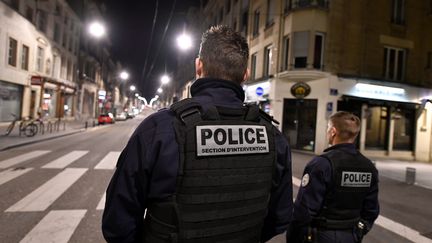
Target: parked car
[106,118]
[122,116]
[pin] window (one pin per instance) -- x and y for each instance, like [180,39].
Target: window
[267,60]
[271,12]
[63,68]
[285,61]
[429,60]
[29,14]
[318,50]
[245,22]
[12,55]
[404,129]
[70,44]
[42,21]
[398,16]
[57,33]
[253,66]
[54,66]
[69,70]
[288,5]
[58,9]
[39,59]
[227,6]
[394,63]
[25,57]
[65,40]
[220,15]
[300,49]
[256,23]
[15,4]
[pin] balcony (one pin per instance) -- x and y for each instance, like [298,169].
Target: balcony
[302,4]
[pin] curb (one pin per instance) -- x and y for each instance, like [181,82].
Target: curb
[52,137]
[40,140]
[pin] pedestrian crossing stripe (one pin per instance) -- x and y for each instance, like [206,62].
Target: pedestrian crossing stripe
[11,174]
[41,198]
[66,159]
[57,226]
[108,162]
[22,158]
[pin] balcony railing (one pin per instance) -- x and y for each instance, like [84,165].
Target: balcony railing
[299,4]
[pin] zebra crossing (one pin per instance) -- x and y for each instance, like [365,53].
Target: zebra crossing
[56,225]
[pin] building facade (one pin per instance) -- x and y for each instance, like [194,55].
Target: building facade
[311,58]
[41,44]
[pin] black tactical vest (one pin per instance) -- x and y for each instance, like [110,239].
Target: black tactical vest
[224,179]
[353,175]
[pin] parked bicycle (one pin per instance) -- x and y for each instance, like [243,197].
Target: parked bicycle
[28,127]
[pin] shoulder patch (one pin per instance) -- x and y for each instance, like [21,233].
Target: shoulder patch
[305,180]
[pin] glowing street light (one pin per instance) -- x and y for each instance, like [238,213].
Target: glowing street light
[184,42]
[124,75]
[132,88]
[165,79]
[96,29]
[159,90]
[136,95]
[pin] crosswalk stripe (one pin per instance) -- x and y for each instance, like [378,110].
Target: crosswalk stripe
[108,162]
[21,158]
[41,198]
[66,160]
[57,226]
[101,204]
[11,174]
[390,225]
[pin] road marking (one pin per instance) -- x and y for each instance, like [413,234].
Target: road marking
[101,204]
[57,226]
[41,198]
[390,225]
[66,160]
[11,174]
[21,158]
[108,162]
[401,230]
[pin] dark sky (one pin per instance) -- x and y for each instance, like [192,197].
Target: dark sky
[129,27]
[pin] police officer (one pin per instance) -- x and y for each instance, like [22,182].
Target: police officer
[209,169]
[338,197]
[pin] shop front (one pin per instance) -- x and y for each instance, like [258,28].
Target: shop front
[393,123]
[11,96]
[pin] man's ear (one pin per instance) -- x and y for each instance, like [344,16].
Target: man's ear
[198,68]
[246,75]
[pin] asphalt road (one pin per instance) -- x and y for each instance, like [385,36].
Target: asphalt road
[53,191]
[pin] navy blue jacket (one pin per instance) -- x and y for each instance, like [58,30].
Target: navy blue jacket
[147,169]
[310,198]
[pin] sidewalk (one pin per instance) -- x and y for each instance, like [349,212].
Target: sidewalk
[15,140]
[396,170]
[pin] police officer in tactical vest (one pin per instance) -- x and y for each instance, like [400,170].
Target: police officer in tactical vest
[209,168]
[338,197]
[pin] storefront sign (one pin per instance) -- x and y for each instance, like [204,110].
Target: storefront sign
[36,80]
[259,91]
[102,94]
[300,90]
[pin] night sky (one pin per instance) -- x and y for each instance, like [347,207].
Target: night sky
[129,28]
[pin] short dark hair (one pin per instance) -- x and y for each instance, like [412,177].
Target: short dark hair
[224,54]
[346,123]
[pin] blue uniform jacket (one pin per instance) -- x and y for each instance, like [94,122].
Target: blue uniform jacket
[147,169]
[310,198]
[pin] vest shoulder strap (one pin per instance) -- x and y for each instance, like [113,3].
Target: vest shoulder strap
[187,110]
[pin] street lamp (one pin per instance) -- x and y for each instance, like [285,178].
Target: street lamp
[124,75]
[184,42]
[96,29]
[165,79]
[159,90]
[132,88]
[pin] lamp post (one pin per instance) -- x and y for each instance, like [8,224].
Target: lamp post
[184,41]
[96,29]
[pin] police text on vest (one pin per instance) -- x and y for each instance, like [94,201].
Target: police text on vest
[231,139]
[356,179]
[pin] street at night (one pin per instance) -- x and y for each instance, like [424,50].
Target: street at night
[238,121]
[54,200]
